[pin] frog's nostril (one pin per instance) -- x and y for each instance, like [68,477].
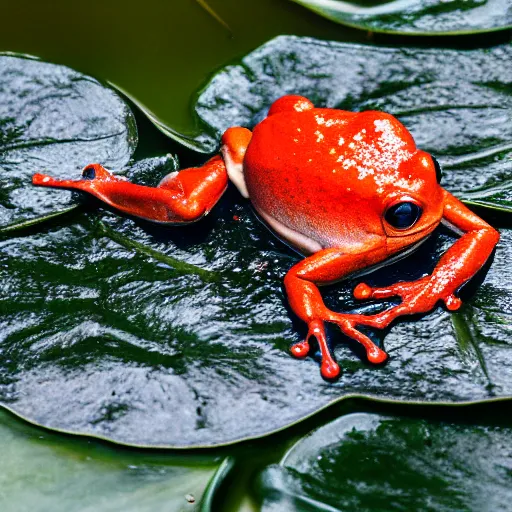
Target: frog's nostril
[89,173]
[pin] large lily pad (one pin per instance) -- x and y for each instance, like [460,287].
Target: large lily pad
[368,462]
[418,17]
[42,471]
[180,337]
[55,120]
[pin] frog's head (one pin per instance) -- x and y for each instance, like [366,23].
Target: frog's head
[400,182]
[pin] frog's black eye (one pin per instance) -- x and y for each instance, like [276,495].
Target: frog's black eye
[89,173]
[439,172]
[403,215]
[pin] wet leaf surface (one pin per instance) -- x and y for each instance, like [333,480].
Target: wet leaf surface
[419,17]
[101,337]
[375,463]
[42,471]
[54,120]
[124,330]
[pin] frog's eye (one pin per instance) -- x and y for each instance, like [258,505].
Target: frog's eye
[439,172]
[403,215]
[89,173]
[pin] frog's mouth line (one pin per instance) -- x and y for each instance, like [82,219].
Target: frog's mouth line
[311,246]
[412,248]
[392,259]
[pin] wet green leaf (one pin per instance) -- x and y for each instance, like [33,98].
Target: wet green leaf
[106,338]
[417,17]
[368,462]
[211,492]
[42,471]
[116,328]
[55,120]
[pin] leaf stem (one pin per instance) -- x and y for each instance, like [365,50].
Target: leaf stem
[26,224]
[181,267]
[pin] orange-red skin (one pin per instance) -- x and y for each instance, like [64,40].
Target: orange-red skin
[323,180]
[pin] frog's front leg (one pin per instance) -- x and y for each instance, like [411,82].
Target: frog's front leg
[459,264]
[325,267]
[181,197]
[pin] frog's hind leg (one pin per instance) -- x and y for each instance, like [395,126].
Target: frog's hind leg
[180,198]
[324,267]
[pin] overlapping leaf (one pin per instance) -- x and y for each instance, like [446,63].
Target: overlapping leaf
[375,463]
[42,471]
[418,17]
[55,120]
[180,337]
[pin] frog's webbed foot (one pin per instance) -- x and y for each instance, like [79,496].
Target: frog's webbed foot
[305,300]
[347,324]
[418,297]
[316,328]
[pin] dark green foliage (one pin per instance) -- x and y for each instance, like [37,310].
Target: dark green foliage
[54,120]
[368,462]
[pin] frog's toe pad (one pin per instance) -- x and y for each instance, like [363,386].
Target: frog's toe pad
[330,370]
[376,355]
[41,179]
[300,349]
[362,291]
[452,303]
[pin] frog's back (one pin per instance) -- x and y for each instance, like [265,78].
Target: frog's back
[322,172]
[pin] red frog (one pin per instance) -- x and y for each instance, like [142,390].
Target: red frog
[348,190]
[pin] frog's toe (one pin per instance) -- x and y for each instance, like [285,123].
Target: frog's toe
[362,291]
[347,325]
[376,355]
[452,303]
[330,369]
[300,349]
[316,329]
